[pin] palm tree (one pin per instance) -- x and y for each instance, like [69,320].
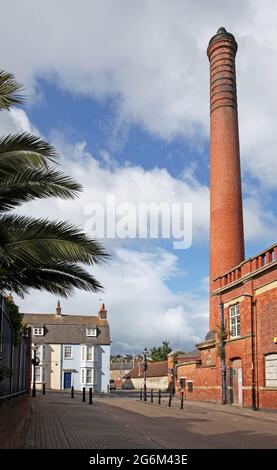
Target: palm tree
[38,253]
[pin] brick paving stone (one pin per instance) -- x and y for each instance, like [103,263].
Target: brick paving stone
[201,427]
[58,422]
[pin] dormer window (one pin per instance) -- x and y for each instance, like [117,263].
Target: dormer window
[91,331]
[38,331]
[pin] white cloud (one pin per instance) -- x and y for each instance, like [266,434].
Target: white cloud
[142,310]
[134,185]
[151,56]
[127,183]
[259,224]
[16,121]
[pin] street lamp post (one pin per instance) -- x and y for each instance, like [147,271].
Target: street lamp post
[172,382]
[145,353]
[35,362]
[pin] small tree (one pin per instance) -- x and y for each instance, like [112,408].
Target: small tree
[15,317]
[160,353]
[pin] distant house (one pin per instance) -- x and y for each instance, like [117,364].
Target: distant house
[74,350]
[118,370]
[156,376]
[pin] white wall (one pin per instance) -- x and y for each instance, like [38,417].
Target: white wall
[102,375]
[151,382]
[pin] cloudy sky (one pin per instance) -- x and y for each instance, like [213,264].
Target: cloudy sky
[121,89]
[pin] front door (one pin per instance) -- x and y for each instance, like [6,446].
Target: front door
[240,386]
[67,380]
[237,382]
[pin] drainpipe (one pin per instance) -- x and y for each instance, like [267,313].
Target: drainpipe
[253,389]
[222,354]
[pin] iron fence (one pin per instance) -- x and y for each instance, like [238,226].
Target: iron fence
[14,357]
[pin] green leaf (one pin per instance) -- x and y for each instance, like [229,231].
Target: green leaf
[9,91]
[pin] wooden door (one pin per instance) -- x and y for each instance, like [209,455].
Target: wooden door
[237,382]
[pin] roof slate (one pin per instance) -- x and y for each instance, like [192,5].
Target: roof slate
[155,369]
[68,329]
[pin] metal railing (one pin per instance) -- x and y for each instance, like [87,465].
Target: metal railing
[14,357]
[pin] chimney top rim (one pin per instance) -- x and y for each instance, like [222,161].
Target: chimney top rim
[222,33]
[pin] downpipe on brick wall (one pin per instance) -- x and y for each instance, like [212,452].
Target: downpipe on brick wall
[253,389]
[222,355]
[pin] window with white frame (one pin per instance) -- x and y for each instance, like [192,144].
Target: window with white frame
[271,370]
[87,353]
[91,331]
[87,376]
[90,353]
[234,315]
[38,331]
[40,374]
[68,352]
[41,352]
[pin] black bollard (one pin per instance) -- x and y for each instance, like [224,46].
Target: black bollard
[160,396]
[90,396]
[151,395]
[84,394]
[170,398]
[43,389]
[141,394]
[72,392]
[182,401]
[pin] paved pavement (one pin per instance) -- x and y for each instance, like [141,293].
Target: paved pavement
[122,422]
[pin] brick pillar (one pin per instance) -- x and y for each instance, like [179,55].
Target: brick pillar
[226,219]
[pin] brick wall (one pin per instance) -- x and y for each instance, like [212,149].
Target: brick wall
[204,380]
[205,374]
[14,416]
[266,324]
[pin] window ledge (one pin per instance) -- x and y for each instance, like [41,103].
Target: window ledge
[273,389]
[236,338]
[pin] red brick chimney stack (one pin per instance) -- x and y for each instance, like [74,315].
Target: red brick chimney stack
[58,309]
[102,314]
[226,218]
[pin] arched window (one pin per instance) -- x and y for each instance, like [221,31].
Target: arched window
[271,370]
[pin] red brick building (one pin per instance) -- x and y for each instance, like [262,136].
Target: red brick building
[237,362]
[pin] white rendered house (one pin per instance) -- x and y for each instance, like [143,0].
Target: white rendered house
[74,350]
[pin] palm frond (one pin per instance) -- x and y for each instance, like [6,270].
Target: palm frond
[62,279]
[37,253]
[9,91]
[30,241]
[25,149]
[26,185]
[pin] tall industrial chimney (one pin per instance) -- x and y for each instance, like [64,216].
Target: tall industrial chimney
[226,218]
